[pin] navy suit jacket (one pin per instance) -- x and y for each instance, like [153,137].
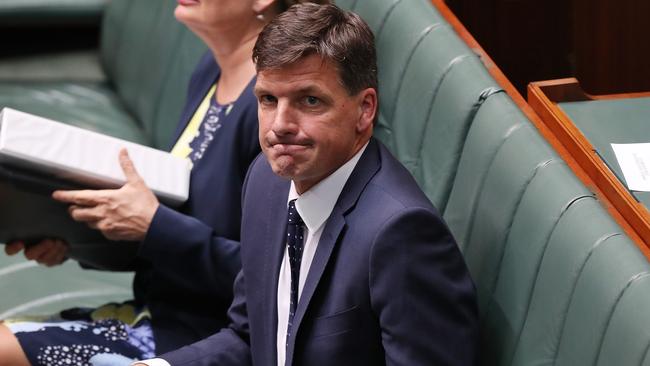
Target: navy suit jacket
[190,256]
[387,285]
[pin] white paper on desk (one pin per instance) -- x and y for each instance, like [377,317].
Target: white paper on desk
[88,157]
[634,160]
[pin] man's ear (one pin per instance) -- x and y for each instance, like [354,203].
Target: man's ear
[261,6]
[368,109]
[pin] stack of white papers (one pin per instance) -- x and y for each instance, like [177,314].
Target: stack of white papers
[86,157]
[634,160]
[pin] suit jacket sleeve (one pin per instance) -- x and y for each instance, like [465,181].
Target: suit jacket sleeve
[175,239]
[229,347]
[422,292]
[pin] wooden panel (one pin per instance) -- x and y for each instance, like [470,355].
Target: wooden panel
[601,42]
[611,45]
[529,40]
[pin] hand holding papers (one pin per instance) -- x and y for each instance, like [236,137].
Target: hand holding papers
[634,160]
[120,214]
[37,153]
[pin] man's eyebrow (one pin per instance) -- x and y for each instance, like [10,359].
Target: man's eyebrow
[257,90]
[309,89]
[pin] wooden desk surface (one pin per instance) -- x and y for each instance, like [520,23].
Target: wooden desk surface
[586,125]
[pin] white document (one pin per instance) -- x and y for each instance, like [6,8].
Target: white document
[634,160]
[88,157]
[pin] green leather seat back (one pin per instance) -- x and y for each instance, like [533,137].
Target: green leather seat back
[626,339]
[149,57]
[604,281]
[399,27]
[430,86]
[432,117]
[535,241]
[171,98]
[345,4]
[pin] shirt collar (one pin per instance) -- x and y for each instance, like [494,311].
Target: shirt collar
[316,205]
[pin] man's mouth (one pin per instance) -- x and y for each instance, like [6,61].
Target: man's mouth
[288,148]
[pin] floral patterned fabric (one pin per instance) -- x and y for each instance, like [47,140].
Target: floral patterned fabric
[73,336]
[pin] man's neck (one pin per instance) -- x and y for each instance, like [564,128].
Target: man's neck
[303,186]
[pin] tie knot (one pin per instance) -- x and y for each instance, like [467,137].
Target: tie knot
[294,216]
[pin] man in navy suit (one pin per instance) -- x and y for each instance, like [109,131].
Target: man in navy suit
[345,260]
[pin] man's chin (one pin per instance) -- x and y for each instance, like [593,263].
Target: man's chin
[283,167]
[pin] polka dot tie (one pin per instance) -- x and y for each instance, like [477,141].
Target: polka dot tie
[295,239]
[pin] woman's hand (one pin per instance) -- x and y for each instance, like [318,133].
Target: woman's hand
[120,214]
[48,252]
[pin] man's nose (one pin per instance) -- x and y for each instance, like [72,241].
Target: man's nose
[284,122]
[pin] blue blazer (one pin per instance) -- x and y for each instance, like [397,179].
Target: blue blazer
[190,256]
[387,285]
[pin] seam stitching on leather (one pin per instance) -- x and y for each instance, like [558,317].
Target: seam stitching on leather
[436,89]
[629,283]
[547,241]
[565,313]
[483,96]
[385,18]
[645,354]
[506,239]
[479,194]
[402,72]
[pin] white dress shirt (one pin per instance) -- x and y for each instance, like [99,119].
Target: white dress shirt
[314,207]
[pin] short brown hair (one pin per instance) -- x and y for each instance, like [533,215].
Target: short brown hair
[286,4]
[336,35]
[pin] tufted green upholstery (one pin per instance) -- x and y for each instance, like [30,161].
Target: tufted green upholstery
[558,281]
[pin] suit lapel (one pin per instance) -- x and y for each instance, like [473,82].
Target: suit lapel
[366,168]
[274,243]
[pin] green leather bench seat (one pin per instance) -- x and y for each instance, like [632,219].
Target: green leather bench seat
[48,12]
[558,281]
[421,113]
[619,121]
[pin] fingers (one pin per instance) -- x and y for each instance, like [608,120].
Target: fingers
[14,247]
[34,252]
[48,252]
[128,168]
[86,214]
[55,256]
[83,198]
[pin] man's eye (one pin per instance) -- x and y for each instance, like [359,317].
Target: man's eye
[312,101]
[267,99]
